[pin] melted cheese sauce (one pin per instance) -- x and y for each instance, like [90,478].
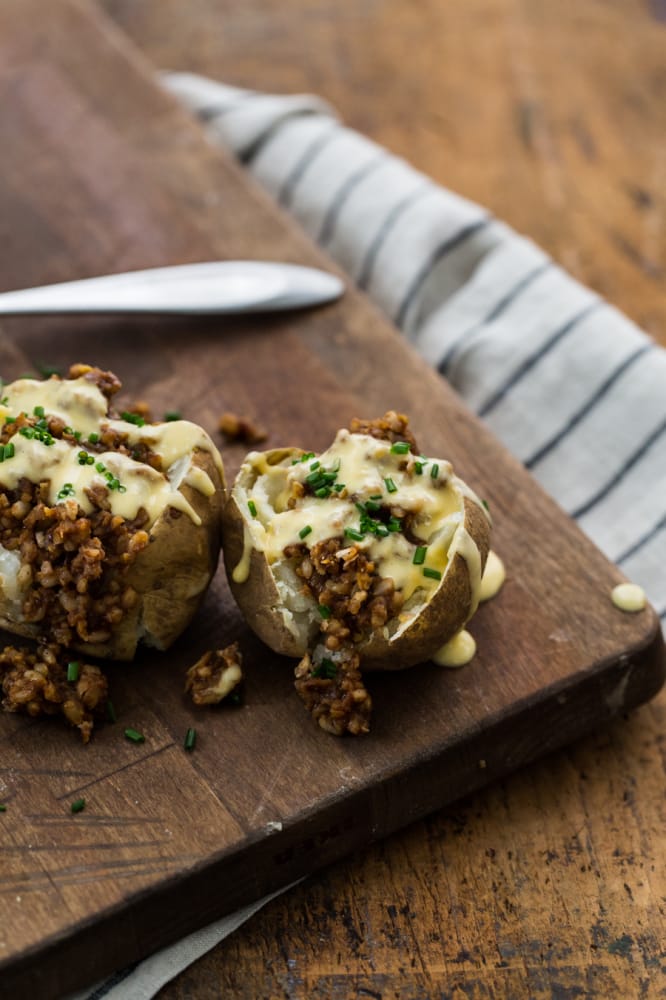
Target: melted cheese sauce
[493,577]
[457,651]
[370,471]
[82,406]
[629,597]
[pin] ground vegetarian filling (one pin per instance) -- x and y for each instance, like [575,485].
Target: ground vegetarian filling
[81,485]
[365,531]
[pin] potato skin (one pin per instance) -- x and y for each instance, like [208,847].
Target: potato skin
[171,575]
[445,614]
[259,600]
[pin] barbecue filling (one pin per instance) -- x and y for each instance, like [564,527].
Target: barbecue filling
[41,683]
[372,575]
[215,675]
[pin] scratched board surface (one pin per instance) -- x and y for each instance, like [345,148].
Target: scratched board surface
[100,171]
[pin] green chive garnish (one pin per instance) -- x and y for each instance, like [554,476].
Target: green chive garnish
[73,670]
[390,485]
[38,411]
[326,670]
[419,555]
[418,466]
[352,533]
[324,610]
[323,492]
[252,507]
[93,438]
[132,418]
[304,532]
[134,736]
[78,805]
[172,415]
[3,807]
[400,447]
[485,504]
[190,739]
[432,574]
[434,472]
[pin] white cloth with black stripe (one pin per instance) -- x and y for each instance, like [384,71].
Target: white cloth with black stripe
[574,389]
[571,386]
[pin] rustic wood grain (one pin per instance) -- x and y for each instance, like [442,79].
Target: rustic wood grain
[552,115]
[101,172]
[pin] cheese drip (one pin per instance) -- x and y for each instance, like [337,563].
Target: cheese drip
[83,407]
[370,472]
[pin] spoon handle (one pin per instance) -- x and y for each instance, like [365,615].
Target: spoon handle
[213,288]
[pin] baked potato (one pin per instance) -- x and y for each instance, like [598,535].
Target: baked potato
[109,525]
[368,554]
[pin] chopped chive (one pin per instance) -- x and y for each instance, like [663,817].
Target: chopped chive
[304,532]
[357,536]
[132,418]
[2,452]
[390,485]
[485,504]
[400,447]
[375,496]
[10,420]
[252,507]
[93,438]
[46,371]
[323,492]
[100,466]
[38,411]
[111,712]
[190,739]
[171,415]
[324,610]
[3,807]
[432,574]
[134,736]
[381,531]
[326,670]
[394,524]
[419,555]
[78,805]
[339,487]
[372,506]
[434,472]
[73,670]
[315,466]
[418,466]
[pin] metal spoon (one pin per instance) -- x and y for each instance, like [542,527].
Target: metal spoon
[218,287]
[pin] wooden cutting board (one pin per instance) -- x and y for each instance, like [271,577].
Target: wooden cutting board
[100,171]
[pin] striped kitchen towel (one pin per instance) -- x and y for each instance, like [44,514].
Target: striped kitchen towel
[571,386]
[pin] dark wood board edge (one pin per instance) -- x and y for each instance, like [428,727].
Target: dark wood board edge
[156,918]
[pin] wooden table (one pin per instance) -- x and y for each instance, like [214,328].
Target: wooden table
[550,883]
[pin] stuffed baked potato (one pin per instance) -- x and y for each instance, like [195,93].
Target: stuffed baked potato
[109,526]
[366,557]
